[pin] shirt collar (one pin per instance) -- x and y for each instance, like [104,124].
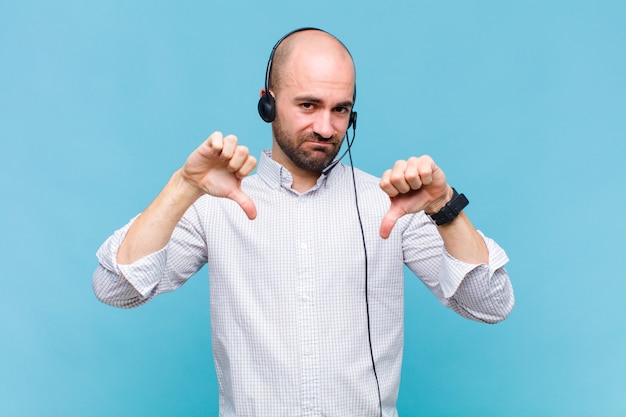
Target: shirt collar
[276,175]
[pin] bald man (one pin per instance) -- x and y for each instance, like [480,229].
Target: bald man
[306,256]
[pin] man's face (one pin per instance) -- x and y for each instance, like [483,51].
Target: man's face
[313,105]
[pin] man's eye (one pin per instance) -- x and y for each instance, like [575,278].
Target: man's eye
[341,110]
[307,106]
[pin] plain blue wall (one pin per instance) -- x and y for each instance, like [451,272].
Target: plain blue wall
[521,103]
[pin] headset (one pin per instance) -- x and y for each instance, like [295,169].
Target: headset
[267,111]
[267,104]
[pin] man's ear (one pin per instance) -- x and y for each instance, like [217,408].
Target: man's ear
[262,92]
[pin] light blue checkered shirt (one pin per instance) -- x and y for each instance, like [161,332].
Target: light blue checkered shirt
[288,304]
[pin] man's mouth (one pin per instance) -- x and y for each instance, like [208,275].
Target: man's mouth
[321,143]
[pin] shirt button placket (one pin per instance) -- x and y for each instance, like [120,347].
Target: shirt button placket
[308,316]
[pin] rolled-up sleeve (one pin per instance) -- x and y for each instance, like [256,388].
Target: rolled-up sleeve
[481,292]
[132,285]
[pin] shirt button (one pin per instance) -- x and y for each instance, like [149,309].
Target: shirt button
[303,246]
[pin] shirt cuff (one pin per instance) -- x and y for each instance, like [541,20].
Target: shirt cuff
[453,271]
[144,274]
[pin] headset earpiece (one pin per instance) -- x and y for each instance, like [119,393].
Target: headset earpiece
[267,107]
[352,122]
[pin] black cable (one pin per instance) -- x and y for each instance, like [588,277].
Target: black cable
[367,307]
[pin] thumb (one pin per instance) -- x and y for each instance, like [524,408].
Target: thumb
[244,202]
[389,221]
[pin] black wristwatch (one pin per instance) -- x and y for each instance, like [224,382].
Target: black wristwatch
[450,210]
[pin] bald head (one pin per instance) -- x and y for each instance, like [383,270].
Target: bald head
[311,44]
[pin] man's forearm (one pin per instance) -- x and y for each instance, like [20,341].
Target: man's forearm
[463,242]
[154,227]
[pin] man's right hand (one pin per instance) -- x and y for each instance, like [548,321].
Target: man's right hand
[217,168]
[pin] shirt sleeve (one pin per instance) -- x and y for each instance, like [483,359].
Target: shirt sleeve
[481,292]
[132,285]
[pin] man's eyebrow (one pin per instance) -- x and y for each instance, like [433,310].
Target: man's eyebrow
[313,99]
[310,99]
[345,104]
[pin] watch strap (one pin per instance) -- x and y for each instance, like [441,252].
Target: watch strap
[452,209]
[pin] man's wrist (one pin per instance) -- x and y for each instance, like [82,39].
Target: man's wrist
[183,189]
[440,203]
[450,210]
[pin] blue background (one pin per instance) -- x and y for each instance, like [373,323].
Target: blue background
[521,103]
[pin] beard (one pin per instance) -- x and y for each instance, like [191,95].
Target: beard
[315,160]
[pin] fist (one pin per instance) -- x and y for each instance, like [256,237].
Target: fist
[216,168]
[413,185]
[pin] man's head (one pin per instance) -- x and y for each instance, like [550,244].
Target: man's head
[312,80]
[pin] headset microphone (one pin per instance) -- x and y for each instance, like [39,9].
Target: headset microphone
[349,143]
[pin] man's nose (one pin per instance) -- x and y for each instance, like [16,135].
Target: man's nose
[323,125]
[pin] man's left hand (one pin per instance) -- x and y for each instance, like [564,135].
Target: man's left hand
[413,185]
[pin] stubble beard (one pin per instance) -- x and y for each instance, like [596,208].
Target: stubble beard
[303,159]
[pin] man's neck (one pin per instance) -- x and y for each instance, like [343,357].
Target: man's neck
[303,184]
[303,179]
